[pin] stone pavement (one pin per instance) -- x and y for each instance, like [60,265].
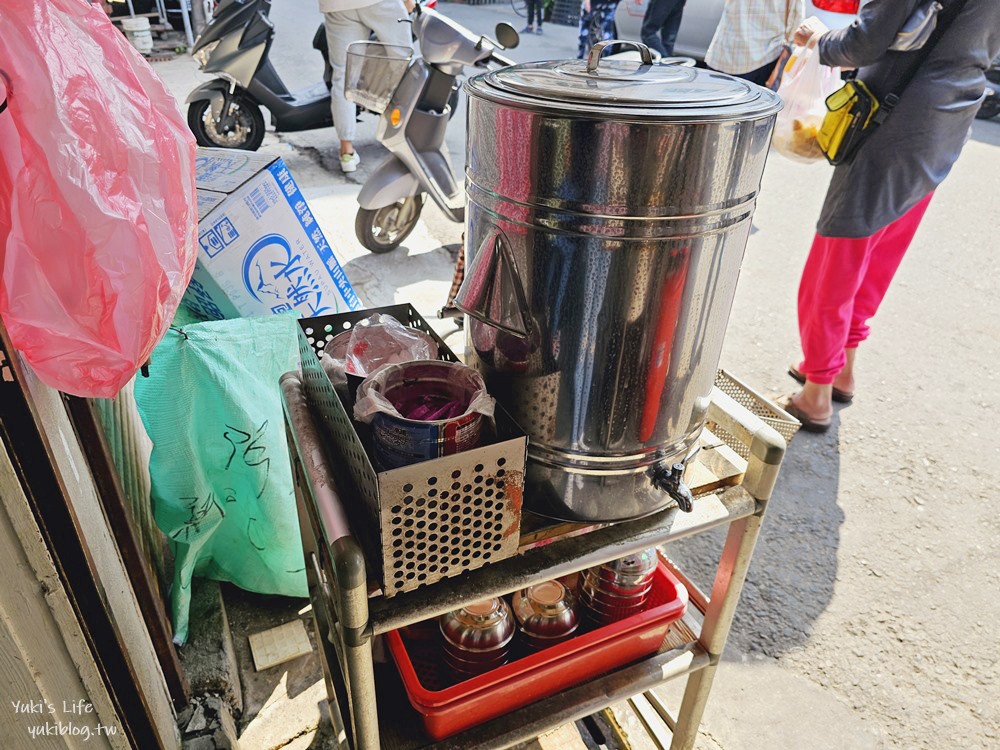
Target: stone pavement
[755,704]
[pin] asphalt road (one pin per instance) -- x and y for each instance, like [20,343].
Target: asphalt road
[876,576]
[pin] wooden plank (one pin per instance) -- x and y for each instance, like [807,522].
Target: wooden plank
[656,730]
[727,466]
[631,732]
[123,522]
[680,634]
[111,577]
[700,478]
[43,656]
[537,531]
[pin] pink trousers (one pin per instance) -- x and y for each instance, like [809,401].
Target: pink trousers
[842,287]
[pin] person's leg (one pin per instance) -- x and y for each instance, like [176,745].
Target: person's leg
[844,381]
[671,24]
[341,29]
[538,10]
[387,20]
[830,280]
[885,260]
[760,75]
[607,12]
[656,15]
[529,28]
[586,16]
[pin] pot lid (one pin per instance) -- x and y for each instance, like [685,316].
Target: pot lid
[627,87]
[638,563]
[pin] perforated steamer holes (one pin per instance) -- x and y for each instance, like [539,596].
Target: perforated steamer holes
[452,530]
[434,523]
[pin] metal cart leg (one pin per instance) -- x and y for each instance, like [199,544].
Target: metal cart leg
[726,592]
[352,598]
[767,449]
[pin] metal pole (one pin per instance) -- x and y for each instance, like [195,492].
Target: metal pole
[767,449]
[352,597]
[198,20]
[186,15]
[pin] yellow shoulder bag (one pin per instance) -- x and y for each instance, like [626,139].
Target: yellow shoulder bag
[853,111]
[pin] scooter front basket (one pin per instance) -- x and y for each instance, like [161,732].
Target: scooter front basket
[374,70]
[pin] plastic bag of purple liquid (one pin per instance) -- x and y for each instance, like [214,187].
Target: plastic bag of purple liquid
[424,410]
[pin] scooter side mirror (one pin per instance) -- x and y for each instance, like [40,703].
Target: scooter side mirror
[507,36]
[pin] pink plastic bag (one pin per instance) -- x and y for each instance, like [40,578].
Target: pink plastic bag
[97,218]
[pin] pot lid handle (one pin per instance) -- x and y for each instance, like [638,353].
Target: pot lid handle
[594,58]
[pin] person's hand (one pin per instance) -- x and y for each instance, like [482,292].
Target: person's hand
[410,5]
[808,34]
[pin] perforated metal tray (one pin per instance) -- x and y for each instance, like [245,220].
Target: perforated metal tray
[763,407]
[429,520]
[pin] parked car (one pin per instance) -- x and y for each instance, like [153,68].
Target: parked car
[701,17]
[991,105]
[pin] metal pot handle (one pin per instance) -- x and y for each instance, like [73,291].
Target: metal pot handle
[594,58]
[492,291]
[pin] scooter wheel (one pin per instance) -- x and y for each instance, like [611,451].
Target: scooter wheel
[247,132]
[381,230]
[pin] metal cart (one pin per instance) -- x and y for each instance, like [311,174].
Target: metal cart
[368,707]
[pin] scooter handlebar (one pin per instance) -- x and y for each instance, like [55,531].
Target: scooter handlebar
[503,61]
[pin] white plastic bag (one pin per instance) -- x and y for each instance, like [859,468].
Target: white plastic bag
[804,88]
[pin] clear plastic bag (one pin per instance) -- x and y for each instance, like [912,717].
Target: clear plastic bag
[424,410]
[97,219]
[461,379]
[805,85]
[383,340]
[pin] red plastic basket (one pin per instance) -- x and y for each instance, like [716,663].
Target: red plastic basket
[448,707]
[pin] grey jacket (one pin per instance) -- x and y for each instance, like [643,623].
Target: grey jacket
[914,150]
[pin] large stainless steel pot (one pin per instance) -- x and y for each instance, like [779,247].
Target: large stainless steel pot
[609,205]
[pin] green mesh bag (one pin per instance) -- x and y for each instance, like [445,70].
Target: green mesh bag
[221,480]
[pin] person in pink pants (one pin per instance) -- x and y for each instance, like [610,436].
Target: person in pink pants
[876,200]
[842,286]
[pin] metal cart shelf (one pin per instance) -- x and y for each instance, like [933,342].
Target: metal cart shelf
[367,703]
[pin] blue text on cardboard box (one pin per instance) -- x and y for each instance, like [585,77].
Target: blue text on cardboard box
[261,251]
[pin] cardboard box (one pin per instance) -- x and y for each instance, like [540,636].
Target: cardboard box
[261,251]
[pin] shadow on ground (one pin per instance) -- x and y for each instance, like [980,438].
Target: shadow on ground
[794,568]
[284,701]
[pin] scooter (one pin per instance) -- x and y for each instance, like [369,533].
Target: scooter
[225,112]
[412,127]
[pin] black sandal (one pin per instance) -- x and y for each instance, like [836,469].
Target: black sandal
[841,397]
[809,424]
